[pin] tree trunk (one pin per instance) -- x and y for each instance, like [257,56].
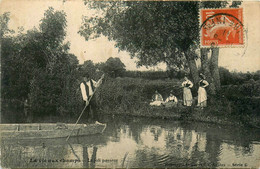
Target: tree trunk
[214,67]
[193,68]
[206,71]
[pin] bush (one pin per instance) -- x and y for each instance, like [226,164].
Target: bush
[114,67]
[131,94]
[236,78]
[151,75]
[250,88]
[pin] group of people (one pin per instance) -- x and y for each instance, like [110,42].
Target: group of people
[202,94]
[88,86]
[170,101]
[157,99]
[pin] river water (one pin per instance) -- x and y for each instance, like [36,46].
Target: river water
[131,142]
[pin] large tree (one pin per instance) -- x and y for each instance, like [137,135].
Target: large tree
[113,67]
[151,31]
[36,66]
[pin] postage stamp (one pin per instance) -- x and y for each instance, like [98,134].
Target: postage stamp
[221,27]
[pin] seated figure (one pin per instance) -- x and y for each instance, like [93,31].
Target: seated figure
[157,99]
[171,101]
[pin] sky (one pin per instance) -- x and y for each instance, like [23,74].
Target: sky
[28,13]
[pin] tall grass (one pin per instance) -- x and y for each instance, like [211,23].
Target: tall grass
[131,94]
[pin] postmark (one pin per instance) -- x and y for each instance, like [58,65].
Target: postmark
[222,27]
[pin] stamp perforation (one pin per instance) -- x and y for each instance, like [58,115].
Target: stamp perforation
[227,45]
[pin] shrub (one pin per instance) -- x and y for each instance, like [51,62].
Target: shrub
[131,94]
[151,75]
[236,78]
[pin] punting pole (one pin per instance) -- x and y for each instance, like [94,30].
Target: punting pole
[84,108]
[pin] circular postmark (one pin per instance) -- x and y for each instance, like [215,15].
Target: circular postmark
[221,27]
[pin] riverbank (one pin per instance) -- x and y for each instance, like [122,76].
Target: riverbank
[188,115]
[211,115]
[131,96]
[182,114]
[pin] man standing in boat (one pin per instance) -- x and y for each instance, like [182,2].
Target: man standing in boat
[87,87]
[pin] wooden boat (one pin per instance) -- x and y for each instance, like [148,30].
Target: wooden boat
[49,130]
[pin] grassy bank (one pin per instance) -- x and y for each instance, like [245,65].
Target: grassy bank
[131,96]
[235,105]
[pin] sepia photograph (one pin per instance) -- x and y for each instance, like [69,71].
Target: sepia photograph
[129,84]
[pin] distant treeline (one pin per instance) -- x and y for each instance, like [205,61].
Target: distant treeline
[154,75]
[236,78]
[226,77]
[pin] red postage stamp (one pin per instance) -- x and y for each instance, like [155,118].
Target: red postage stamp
[221,27]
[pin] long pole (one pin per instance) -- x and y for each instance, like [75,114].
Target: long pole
[84,110]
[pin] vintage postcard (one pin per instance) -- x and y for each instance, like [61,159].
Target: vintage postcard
[130,84]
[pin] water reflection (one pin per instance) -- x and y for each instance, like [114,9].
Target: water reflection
[89,162]
[140,142]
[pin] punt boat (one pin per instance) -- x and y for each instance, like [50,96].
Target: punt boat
[49,130]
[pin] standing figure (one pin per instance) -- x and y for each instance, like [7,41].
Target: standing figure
[202,94]
[26,107]
[87,87]
[27,111]
[157,99]
[187,96]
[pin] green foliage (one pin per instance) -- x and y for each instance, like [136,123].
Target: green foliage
[242,89]
[132,94]
[91,69]
[151,31]
[37,67]
[151,75]
[53,27]
[4,19]
[250,88]
[237,78]
[113,67]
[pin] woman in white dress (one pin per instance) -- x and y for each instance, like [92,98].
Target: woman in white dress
[202,94]
[187,96]
[157,99]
